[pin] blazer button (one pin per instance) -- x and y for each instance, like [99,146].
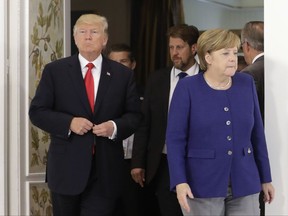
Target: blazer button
[229,152]
[226,109]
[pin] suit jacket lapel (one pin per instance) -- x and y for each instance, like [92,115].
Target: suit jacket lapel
[77,78]
[105,78]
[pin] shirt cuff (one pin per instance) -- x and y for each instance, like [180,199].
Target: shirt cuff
[114,134]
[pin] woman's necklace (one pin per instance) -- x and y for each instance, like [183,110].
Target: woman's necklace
[219,87]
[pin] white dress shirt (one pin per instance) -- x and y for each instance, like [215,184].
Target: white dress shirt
[96,72]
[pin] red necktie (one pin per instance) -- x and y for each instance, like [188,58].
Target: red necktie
[89,83]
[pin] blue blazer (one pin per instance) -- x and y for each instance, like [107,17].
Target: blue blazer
[60,96]
[216,138]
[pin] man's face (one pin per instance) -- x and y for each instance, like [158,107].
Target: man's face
[181,54]
[90,39]
[123,58]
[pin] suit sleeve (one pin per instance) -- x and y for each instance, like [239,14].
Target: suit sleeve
[130,120]
[42,113]
[141,136]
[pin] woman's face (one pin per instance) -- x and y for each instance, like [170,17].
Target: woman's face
[223,61]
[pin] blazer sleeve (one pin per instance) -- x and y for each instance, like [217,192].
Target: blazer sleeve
[176,135]
[259,142]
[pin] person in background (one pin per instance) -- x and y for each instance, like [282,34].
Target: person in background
[217,152]
[122,54]
[131,201]
[252,40]
[241,63]
[89,105]
[149,161]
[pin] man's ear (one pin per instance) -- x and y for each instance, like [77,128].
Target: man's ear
[133,65]
[194,49]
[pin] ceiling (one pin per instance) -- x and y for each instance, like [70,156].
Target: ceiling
[237,4]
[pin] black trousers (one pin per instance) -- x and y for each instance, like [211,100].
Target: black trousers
[89,202]
[167,200]
[130,203]
[261,204]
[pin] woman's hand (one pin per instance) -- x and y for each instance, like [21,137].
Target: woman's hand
[269,192]
[183,191]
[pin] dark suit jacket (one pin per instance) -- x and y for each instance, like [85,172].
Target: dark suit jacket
[60,96]
[257,71]
[149,139]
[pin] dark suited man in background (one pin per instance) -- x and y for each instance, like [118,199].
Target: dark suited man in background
[86,124]
[252,40]
[122,53]
[131,200]
[149,160]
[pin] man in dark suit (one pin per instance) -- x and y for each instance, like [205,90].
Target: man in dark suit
[86,124]
[149,158]
[252,40]
[130,202]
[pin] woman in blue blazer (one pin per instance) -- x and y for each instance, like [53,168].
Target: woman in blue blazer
[217,153]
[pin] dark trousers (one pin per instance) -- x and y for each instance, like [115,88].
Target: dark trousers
[167,199]
[81,205]
[89,202]
[130,202]
[261,204]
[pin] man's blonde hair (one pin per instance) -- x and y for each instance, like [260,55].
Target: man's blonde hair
[91,19]
[213,40]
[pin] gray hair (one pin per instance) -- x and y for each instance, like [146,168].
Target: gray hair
[253,33]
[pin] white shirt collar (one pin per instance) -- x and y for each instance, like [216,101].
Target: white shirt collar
[258,56]
[97,62]
[191,71]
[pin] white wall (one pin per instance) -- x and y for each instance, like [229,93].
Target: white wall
[276,88]
[207,16]
[3,123]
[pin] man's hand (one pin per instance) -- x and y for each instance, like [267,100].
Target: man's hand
[80,125]
[138,175]
[104,129]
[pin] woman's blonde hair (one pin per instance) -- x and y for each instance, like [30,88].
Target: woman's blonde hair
[213,40]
